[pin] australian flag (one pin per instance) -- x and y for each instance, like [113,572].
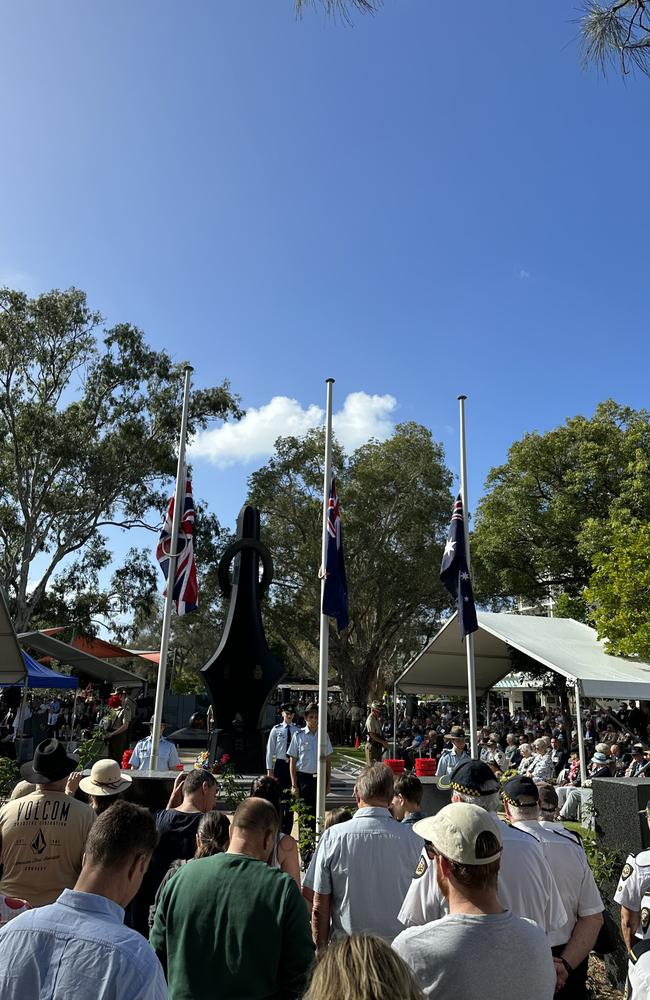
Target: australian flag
[454,573]
[186,591]
[335,592]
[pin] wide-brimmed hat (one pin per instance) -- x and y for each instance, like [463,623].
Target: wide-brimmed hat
[456,733]
[454,832]
[105,779]
[162,722]
[600,758]
[470,777]
[50,763]
[376,704]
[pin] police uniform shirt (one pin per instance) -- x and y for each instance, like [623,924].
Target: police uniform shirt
[448,761]
[526,885]
[304,747]
[634,883]
[168,757]
[568,862]
[277,743]
[639,977]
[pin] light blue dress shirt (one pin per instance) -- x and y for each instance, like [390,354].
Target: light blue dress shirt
[276,747]
[304,747]
[366,865]
[448,761]
[168,757]
[77,949]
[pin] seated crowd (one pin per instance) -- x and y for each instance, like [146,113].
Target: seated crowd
[103,899]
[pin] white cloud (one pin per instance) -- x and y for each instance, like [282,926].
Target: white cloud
[361,417]
[524,274]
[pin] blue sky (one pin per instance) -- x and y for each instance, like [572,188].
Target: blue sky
[433,201]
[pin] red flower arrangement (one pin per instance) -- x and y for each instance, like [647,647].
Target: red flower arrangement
[224,759]
[126,760]
[115,701]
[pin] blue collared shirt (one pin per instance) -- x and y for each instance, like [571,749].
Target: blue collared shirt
[366,866]
[77,948]
[448,761]
[168,757]
[304,747]
[277,745]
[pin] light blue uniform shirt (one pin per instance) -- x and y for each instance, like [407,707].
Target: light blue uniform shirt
[276,747]
[304,747]
[167,755]
[77,949]
[366,865]
[448,761]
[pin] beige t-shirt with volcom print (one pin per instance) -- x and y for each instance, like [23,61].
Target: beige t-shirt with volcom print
[43,839]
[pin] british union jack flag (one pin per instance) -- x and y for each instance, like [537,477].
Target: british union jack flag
[186,591]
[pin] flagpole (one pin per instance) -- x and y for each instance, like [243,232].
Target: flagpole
[469,639]
[179,502]
[323,663]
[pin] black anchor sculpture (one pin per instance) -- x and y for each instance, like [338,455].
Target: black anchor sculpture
[243,672]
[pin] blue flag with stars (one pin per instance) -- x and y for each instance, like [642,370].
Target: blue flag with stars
[454,573]
[335,592]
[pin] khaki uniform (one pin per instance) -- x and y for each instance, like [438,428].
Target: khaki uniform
[374,751]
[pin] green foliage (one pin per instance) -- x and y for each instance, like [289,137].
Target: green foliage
[9,776]
[619,590]
[616,34]
[89,422]
[230,788]
[395,501]
[546,511]
[572,607]
[306,835]
[91,750]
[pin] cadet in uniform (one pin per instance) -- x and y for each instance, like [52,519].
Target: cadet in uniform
[633,884]
[375,742]
[168,759]
[277,762]
[565,854]
[526,884]
[451,757]
[303,765]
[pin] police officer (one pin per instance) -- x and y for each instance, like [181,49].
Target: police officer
[168,759]
[526,883]
[277,762]
[451,757]
[633,884]
[565,854]
[303,766]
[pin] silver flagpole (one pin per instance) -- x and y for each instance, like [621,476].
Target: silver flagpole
[323,663]
[179,503]
[469,639]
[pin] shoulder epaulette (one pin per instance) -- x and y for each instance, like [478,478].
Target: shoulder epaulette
[638,949]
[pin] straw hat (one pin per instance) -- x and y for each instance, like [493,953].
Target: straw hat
[105,779]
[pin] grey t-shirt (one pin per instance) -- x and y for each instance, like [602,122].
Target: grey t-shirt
[467,955]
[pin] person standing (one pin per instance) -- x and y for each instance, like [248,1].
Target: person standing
[78,946]
[633,885]
[118,726]
[168,759]
[375,742]
[451,757]
[277,762]
[572,943]
[480,948]
[42,834]
[231,925]
[303,767]
[363,867]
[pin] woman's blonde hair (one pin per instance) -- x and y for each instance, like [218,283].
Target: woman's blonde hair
[362,967]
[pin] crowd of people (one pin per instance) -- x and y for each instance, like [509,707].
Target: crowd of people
[102,898]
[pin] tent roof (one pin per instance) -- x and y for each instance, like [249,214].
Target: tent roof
[561,644]
[39,676]
[98,669]
[101,647]
[12,666]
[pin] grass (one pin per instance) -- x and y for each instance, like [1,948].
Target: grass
[342,752]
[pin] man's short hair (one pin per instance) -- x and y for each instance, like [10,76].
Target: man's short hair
[548,800]
[123,831]
[410,787]
[256,816]
[312,708]
[196,778]
[375,782]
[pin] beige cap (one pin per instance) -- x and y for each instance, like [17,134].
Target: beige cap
[454,832]
[105,778]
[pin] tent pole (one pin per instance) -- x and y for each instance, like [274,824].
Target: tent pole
[581,736]
[21,720]
[487,709]
[394,721]
[73,718]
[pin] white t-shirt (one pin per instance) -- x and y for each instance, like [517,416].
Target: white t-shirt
[526,885]
[471,955]
[568,862]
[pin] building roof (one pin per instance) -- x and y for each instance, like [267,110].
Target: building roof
[561,644]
